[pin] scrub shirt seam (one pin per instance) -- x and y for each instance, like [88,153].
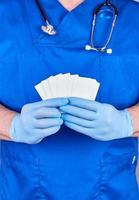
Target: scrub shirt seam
[97,194]
[38,182]
[39,193]
[103,173]
[68,45]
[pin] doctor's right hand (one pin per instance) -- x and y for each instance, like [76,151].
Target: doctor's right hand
[37,121]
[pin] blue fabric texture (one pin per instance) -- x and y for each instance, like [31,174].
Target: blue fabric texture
[67,165]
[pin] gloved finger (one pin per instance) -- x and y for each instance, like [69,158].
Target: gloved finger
[54,102]
[35,142]
[47,132]
[79,112]
[47,123]
[45,112]
[80,129]
[91,132]
[84,103]
[101,136]
[78,121]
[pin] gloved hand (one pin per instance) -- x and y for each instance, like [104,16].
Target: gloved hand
[98,120]
[37,121]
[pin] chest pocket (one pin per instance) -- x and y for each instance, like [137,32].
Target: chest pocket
[119,80]
[118,169]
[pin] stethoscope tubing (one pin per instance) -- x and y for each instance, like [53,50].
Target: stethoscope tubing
[96,11]
[49,29]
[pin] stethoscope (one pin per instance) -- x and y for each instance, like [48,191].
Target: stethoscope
[49,29]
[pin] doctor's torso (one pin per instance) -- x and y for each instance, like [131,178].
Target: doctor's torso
[27,56]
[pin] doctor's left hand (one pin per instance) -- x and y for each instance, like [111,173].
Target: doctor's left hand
[98,120]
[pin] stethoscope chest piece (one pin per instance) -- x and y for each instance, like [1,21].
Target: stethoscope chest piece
[48,28]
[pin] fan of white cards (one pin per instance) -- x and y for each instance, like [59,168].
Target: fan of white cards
[67,85]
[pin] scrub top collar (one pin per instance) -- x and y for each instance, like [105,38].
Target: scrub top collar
[58,16]
[73,27]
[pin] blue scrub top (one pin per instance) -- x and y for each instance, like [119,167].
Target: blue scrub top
[67,165]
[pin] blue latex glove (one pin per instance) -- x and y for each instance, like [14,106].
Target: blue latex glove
[37,121]
[99,121]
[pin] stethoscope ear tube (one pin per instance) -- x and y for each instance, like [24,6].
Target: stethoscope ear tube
[47,27]
[107,3]
[103,49]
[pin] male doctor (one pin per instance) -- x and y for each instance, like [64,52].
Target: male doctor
[67,148]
